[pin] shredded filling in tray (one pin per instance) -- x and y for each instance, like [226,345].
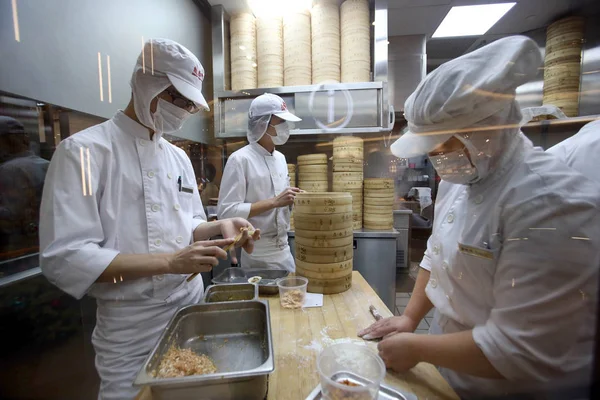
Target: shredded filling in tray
[179,362]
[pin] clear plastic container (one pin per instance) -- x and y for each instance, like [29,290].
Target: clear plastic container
[350,371]
[292,291]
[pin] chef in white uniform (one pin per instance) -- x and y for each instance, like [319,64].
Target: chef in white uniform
[581,151]
[256,184]
[512,264]
[122,220]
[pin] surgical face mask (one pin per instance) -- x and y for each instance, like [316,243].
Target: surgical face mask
[283,133]
[169,118]
[455,167]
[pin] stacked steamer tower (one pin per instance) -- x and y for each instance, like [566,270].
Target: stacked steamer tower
[379,203]
[312,172]
[292,176]
[348,173]
[324,239]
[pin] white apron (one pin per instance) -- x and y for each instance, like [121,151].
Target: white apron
[126,332]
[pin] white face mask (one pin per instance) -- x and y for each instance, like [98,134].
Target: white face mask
[169,118]
[455,167]
[283,133]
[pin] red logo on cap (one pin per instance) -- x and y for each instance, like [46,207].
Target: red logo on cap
[198,74]
[283,106]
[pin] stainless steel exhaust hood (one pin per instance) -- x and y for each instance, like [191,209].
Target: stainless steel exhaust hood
[330,108]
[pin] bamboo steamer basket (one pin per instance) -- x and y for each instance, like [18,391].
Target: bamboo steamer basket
[348,141]
[297,48]
[330,286]
[325,38]
[322,199]
[313,168]
[243,51]
[348,152]
[324,223]
[269,51]
[347,167]
[320,209]
[355,57]
[312,242]
[344,186]
[379,183]
[322,275]
[330,234]
[324,268]
[291,167]
[385,209]
[316,177]
[320,158]
[313,186]
[347,176]
[323,255]
[378,201]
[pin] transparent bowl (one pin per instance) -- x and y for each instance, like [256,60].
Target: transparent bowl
[350,371]
[292,291]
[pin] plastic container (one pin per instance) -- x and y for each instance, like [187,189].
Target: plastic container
[341,360]
[292,291]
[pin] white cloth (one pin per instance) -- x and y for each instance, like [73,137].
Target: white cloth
[465,91]
[525,284]
[134,207]
[253,174]
[581,151]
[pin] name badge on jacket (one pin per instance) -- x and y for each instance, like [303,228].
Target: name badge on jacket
[475,251]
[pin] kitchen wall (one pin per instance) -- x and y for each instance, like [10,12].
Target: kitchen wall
[56,61]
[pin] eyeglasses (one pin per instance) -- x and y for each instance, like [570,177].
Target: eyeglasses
[180,101]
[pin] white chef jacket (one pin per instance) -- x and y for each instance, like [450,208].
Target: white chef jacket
[581,150]
[253,174]
[515,258]
[122,198]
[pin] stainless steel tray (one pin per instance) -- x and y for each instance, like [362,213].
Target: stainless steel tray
[385,392]
[236,335]
[268,284]
[231,292]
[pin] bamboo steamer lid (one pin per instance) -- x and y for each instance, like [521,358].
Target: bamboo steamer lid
[379,183]
[320,158]
[311,288]
[338,242]
[269,51]
[325,268]
[313,168]
[315,222]
[323,255]
[313,186]
[568,24]
[243,51]
[323,199]
[314,209]
[297,49]
[325,38]
[331,234]
[291,167]
[343,152]
[348,141]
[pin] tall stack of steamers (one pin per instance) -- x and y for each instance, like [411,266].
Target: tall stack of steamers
[324,241]
[292,176]
[312,172]
[348,173]
[328,44]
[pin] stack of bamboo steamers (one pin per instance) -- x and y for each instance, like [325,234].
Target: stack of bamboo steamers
[312,172]
[292,175]
[379,203]
[324,238]
[348,173]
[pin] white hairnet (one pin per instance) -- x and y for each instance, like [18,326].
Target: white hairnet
[466,91]
[145,87]
[257,126]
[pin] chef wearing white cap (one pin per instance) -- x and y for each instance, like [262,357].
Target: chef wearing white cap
[256,184]
[512,264]
[122,220]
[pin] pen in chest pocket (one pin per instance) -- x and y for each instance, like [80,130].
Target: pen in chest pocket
[179,183]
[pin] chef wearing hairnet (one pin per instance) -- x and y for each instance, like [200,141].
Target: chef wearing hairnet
[512,264]
[256,184]
[122,220]
[581,150]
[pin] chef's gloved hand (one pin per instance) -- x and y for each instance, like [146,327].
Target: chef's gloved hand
[198,257]
[387,327]
[231,228]
[286,198]
[398,352]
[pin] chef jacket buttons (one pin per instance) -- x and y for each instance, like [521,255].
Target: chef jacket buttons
[444,265]
[179,239]
[158,242]
[150,174]
[450,218]
[478,199]
[142,142]
[436,249]
[169,175]
[159,277]
[155,207]
[433,282]
[177,207]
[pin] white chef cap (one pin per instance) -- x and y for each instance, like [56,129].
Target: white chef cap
[465,91]
[261,110]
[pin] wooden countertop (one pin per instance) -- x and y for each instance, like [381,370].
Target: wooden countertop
[299,336]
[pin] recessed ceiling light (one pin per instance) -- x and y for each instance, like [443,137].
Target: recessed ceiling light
[471,20]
